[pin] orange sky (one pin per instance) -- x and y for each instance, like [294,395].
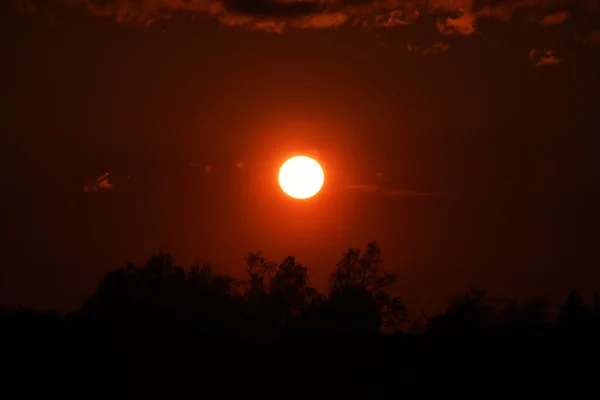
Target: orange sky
[461,135]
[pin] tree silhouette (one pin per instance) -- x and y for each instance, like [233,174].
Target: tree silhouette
[277,293]
[161,294]
[595,313]
[527,316]
[147,321]
[277,298]
[574,313]
[259,271]
[467,315]
[358,291]
[289,290]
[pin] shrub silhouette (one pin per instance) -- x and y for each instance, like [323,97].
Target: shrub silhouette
[473,313]
[530,316]
[162,294]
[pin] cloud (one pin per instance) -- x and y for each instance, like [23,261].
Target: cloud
[453,16]
[556,18]
[387,192]
[437,48]
[593,37]
[267,25]
[144,11]
[365,188]
[504,10]
[468,12]
[396,18]
[449,6]
[464,24]
[276,8]
[409,193]
[381,176]
[548,60]
[591,5]
[544,58]
[26,6]
[100,184]
[319,14]
[320,21]
[209,167]
[206,168]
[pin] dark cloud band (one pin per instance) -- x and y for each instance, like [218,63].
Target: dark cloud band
[453,17]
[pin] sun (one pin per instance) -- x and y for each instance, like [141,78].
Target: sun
[301,177]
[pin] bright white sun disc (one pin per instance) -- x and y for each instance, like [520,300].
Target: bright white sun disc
[301,177]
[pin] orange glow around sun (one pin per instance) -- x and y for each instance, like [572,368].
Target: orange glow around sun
[301,177]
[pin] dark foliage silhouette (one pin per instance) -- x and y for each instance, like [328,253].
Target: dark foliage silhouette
[159,322]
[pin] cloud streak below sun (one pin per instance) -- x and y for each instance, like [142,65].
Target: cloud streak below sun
[387,192]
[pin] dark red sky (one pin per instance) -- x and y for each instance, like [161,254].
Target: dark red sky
[476,121]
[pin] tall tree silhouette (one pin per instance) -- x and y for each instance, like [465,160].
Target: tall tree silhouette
[358,292]
[289,290]
[277,293]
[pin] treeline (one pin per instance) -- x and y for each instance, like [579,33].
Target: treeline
[277,299]
[160,330]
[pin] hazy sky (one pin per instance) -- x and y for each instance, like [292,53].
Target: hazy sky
[461,135]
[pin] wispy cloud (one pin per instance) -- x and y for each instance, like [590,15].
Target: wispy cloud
[437,48]
[391,192]
[464,24]
[548,60]
[396,18]
[261,24]
[365,188]
[556,18]
[27,6]
[320,21]
[206,168]
[544,58]
[451,17]
[409,193]
[101,183]
[209,167]
[593,37]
